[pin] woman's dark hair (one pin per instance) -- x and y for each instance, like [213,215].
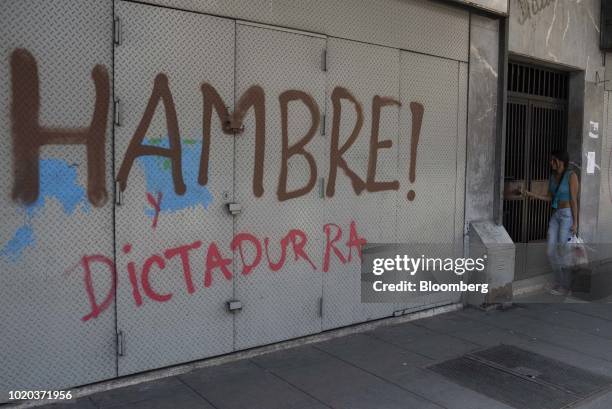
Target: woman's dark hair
[563,156]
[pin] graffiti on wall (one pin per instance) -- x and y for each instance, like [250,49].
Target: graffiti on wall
[161,197]
[176,169]
[29,136]
[530,8]
[39,180]
[218,264]
[169,159]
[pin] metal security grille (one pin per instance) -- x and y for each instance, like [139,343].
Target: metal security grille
[536,125]
[515,166]
[537,81]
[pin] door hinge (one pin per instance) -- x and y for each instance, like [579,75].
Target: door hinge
[117,34]
[323,125]
[117,112]
[120,343]
[118,194]
[322,188]
[321,307]
[324,60]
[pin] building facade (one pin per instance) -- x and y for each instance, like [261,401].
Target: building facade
[188,178]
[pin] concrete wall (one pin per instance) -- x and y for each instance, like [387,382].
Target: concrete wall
[482,117]
[605,191]
[561,32]
[590,182]
[565,34]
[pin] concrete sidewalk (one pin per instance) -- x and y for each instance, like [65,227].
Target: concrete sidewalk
[386,368]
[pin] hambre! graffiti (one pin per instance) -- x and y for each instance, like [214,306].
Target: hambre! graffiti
[28,136]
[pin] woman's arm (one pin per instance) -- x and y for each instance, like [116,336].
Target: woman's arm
[574,186]
[546,198]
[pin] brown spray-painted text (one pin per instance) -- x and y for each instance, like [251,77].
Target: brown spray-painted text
[29,136]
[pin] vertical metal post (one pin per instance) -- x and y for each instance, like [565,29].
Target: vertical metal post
[502,97]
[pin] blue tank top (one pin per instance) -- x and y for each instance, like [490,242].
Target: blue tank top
[563,194]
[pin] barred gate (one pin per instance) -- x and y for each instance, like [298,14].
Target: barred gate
[536,125]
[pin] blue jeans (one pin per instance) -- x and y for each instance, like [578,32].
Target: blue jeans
[557,249]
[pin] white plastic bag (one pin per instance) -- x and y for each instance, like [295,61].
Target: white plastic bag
[578,256]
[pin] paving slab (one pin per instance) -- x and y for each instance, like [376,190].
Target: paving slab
[243,384]
[81,403]
[565,337]
[187,400]
[448,323]
[486,335]
[603,401]
[148,391]
[570,318]
[407,370]
[339,384]
[424,341]
[601,310]
[386,368]
[374,355]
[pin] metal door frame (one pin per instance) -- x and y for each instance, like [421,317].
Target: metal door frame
[532,87]
[531,102]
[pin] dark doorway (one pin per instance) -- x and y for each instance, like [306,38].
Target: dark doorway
[536,125]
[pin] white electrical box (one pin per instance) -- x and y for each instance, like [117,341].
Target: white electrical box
[493,240]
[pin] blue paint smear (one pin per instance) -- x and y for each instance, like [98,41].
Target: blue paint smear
[58,180]
[158,175]
[23,238]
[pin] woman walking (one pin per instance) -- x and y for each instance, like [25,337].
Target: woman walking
[563,192]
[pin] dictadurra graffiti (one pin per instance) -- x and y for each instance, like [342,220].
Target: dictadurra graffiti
[28,136]
[217,266]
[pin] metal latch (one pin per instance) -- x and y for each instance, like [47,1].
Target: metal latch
[234,305]
[234,208]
